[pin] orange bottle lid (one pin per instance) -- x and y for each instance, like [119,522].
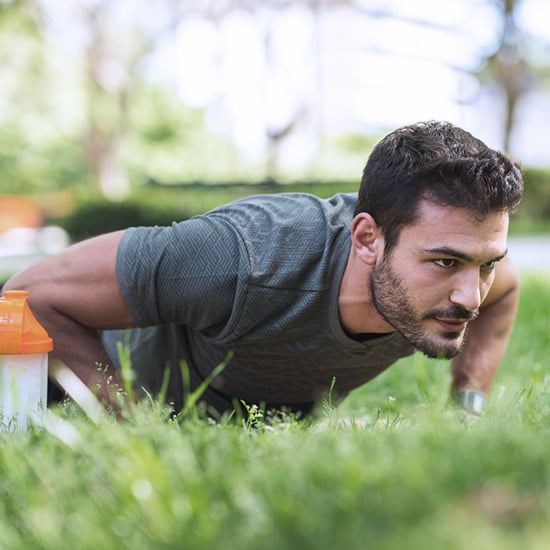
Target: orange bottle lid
[20,332]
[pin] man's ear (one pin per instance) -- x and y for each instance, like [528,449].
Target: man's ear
[366,238]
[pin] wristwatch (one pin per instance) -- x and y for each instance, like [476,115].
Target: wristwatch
[472,401]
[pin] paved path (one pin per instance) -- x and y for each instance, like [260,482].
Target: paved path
[530,253]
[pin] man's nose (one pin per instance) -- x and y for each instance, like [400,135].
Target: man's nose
[467,292]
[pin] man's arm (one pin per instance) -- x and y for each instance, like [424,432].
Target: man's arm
[73,295]
[475,367]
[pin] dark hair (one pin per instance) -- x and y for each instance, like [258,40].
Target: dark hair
[438,162]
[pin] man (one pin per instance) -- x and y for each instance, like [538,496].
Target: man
[303,291]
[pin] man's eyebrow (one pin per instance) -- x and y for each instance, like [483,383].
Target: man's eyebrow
[446,251]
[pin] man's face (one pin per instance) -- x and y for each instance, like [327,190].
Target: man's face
[438,274]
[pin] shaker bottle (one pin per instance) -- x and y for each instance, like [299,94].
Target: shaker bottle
[24,347]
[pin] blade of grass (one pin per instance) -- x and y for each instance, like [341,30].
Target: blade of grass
[191,399]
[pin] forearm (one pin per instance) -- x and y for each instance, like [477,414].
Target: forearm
[80,349]
[74,295]
[486,342]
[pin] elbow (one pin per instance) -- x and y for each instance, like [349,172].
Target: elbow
[19,281]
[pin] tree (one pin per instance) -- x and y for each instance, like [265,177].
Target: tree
[109,82]
[508,65]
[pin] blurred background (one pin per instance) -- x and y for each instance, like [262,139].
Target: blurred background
[127,112]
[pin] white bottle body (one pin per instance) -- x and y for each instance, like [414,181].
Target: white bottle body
[23,389]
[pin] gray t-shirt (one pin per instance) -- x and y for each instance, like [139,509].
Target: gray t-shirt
[259,278]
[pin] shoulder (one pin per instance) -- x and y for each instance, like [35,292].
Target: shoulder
[295,210]
[290,233]
[296,222]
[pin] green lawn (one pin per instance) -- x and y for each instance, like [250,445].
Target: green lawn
[392,468]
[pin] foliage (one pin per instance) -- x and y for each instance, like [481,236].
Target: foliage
[376,473]
[103,216]
[45,119]
[171,142]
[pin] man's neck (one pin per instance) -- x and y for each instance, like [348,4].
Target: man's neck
[356,308]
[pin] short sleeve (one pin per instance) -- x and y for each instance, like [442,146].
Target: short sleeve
[186,273]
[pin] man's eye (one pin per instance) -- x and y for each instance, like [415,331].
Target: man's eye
[490,265]
[445,262]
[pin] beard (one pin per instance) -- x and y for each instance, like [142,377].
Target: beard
[390,299]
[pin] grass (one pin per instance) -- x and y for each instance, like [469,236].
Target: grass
[393,467]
